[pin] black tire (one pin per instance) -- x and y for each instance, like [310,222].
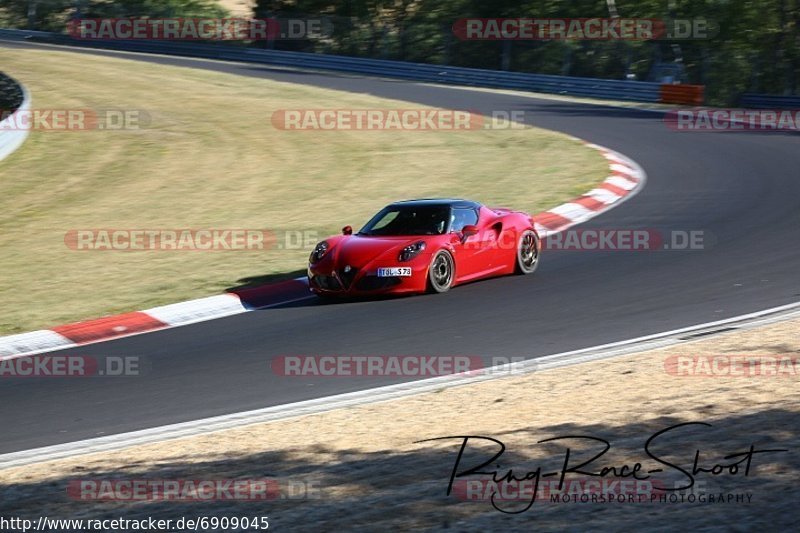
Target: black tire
[528,252]
[441,272]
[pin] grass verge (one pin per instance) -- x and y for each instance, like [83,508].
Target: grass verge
[209,157]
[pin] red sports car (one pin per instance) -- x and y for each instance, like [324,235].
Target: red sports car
[420,246]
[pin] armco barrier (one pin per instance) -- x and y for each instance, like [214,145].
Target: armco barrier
[769,101]
[682,94]
[12,137]
[637,91]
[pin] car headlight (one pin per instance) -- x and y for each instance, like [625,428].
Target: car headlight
[411,251]
[319,250]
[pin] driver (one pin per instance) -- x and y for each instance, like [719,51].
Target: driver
[457,221]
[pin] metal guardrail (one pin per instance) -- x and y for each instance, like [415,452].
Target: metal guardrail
[637,91]
[769,101]
[11,135]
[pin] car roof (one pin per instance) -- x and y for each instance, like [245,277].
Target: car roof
[448,202]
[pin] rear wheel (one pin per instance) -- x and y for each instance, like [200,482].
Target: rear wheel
[441,272]
[528,250]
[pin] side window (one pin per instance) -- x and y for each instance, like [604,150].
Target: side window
[463,217]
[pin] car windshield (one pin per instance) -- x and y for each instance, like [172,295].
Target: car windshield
[409,220]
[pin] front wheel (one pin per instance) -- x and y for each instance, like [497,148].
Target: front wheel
[528,251]
[441,272]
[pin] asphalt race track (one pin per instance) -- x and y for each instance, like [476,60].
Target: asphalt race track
[741,189]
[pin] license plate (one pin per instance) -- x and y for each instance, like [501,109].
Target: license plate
[390,272]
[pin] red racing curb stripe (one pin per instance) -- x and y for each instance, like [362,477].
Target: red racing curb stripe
[108,327]
[613,188]
[272,294]
[551,220]
[628,173]
[626,177]
[589,203]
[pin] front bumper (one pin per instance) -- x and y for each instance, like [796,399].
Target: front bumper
[329,281]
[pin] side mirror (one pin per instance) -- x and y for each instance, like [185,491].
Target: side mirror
[469,230]
[347,230]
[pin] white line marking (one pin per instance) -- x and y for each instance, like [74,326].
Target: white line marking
[11,139]
[33,341]
[574,212]
[622,169]
[619,181]
[192,311]
[614,158]
[603,195]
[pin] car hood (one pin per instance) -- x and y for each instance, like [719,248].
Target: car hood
[358,251]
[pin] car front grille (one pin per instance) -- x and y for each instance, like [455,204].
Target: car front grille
[329,283]
[347,277]
[374,283]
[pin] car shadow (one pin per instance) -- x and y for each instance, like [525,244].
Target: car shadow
[285,290]
[252,282]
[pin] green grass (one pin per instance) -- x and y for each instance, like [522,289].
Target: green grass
[210,158]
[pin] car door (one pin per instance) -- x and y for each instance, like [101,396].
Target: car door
[472,257]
